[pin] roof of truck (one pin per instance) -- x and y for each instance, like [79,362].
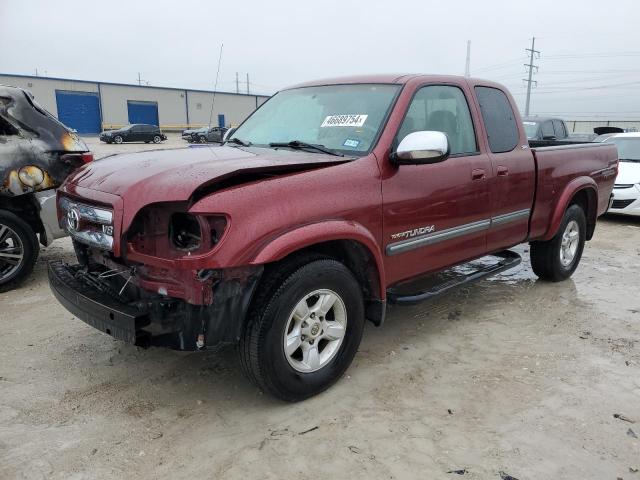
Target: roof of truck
[387,78]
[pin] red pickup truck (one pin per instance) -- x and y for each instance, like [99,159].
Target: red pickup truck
[333,199]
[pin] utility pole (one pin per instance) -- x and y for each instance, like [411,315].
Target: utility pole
[247,84]
[530,66]
[237,84]
[139,79]
[467,68]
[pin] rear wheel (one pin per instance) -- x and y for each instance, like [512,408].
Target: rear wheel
[558,258]
[304,329]
[18,250]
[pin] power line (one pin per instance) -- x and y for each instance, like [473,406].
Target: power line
[530,67]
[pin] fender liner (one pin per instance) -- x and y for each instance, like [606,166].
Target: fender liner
[571,189]
[316,233]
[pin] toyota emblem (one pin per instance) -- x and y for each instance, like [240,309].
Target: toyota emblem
[73,219]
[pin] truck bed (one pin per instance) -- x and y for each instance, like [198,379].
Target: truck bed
[559,169]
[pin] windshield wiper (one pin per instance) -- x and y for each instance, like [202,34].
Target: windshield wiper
[635,160]
[237,141]
[298,144]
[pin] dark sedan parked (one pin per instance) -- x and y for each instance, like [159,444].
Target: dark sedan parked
[134,133]
[210,135]
[191,134]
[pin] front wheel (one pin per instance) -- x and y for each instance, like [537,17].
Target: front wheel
[202,140]
[558,258]
[303,330]
[117,139]
[18,251]
[156,139]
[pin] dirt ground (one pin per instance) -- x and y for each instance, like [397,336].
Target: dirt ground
[509,375]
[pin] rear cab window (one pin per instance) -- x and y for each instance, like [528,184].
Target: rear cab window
[499,119]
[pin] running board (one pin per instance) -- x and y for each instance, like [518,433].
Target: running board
[453,278]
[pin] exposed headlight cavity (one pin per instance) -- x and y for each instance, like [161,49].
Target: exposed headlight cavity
[185,232]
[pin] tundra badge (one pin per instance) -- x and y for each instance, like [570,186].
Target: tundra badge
[415,232]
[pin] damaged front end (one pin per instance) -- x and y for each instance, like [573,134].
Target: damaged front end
[157,291]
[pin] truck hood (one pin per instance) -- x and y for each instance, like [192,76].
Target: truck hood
[176,174]
[628,173]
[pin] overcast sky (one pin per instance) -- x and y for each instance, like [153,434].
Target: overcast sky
[589,66]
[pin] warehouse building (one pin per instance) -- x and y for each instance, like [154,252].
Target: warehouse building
[90,107]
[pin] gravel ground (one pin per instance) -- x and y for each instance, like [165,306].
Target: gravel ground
[509,375]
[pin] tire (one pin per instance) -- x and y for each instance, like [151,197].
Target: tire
[202,139]
[117,139]
[156,139]
[16,238]
[296,376]
[556,260]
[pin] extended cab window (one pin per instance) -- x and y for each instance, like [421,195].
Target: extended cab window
[441,108]
[499,119]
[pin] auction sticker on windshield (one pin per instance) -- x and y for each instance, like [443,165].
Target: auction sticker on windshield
[344,121]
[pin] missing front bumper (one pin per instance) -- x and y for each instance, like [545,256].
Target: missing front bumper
[156,320]
[97,308]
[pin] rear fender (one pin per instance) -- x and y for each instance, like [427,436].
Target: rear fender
[318,233]
[575,186]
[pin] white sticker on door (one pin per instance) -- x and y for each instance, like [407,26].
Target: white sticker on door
[344,121]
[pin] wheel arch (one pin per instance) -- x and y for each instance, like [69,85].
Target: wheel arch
[27,208]
[582,191]
[346,242]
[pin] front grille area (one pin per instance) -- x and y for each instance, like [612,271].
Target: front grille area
[622,203]
[87,224]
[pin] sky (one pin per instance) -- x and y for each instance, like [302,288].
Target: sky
[589,65]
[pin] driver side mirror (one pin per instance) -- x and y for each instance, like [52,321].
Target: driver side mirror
[422,147]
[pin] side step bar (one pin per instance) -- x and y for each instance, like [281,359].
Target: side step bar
[507,260]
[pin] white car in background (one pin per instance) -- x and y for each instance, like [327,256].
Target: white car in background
[626,192]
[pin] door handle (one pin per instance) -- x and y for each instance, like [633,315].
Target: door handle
[478,174]
[502,171]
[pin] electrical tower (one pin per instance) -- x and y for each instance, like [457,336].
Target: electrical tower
[530,66]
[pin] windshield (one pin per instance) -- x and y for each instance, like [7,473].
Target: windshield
[531,129]
[628,148]
[344,118]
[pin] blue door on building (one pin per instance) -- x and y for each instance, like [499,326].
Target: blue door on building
[79,110]
[221,120]
[143,112]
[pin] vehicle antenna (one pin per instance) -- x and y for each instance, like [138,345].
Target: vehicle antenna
[215,88]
